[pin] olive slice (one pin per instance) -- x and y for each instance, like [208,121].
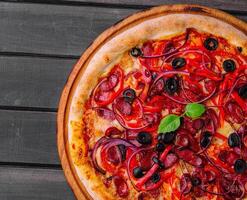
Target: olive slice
[240,49]
[242,91]
[144,138]
[138,172]
[211,44]
[160,147]
[167,138]
[136,52]
[178,63]
[205,139]
[155,178]
[240,166]
[129,95]
[229,65]
[234,140]
[157,161]
[171,85]
[196,181]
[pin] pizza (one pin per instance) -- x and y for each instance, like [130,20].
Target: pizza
[159,110]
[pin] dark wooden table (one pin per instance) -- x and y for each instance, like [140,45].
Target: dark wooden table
[40,42]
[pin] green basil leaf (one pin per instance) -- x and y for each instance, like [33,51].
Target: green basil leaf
[194,110]
[169,123]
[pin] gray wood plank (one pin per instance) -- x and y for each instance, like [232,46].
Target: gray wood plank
[33,184]
[28,137]
[53,29]
[236,5]
[32,82]
[60,29]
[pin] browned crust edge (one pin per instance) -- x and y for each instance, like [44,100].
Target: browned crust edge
[62,117]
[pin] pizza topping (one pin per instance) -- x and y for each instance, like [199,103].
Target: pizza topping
[138,172]
[129,95]
[121,185]
[211,44]
[243,91]
[170,110]
[198,124]
[234,140]
[157,161]
[205,139]
[240,166]
[185,184]
[136,52]
[178,62]
[171,85]
[170,160]
[190,157]
[155,178]
[196,181]
[229,65]
[144,138]
[160,147]
[167,138]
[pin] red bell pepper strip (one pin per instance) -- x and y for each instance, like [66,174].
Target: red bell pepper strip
[239,100]
[148,175]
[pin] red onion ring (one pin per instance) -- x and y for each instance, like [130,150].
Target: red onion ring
[170,73]
[210,192]
[168,53]
[232,88]
[202,100]
[100,142]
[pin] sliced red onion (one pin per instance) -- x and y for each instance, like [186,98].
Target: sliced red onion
[117,141]
[213,164]
[185,184]
[169,52]
[202,100]
[232,88]
[98,144]
[211,192]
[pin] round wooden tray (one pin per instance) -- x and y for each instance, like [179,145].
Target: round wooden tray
[62,118]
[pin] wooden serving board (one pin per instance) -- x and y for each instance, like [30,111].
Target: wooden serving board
[64,105]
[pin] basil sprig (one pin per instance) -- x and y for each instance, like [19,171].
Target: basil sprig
[172,122]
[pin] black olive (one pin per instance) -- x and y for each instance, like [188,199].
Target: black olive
[167,138]
[211,44]
[178,63]
[136,52]
[240,166]
[205,139]
[240,49]
[234,140]
[154,75]
[138,172]
[129,95]
[242,91]
[171,85]
[155,178]
[144,138]
[122,149]
[196,181]
[229,65]
[160,147]
[157,161]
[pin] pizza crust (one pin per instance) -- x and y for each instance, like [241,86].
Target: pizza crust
[159,26]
